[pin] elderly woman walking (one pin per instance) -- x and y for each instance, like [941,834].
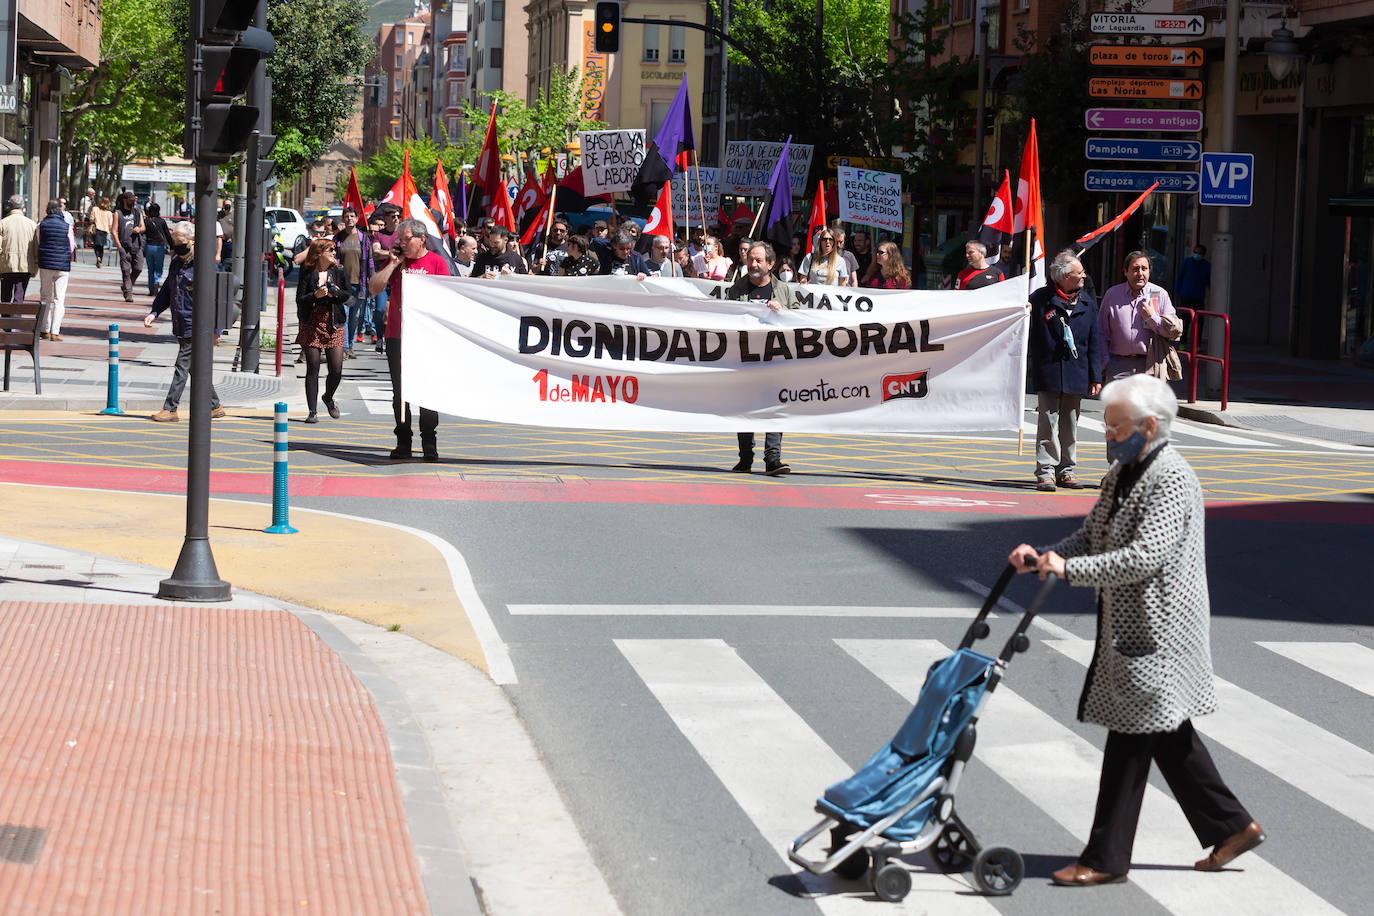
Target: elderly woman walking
[1065,365]
[1142,547]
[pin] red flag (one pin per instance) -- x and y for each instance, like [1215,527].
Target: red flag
[404,195]
[544,219]
[660,221]
[530,200]
[488,171]
[499,208]
[1028,213]
[1092,238]
[441,200]
[817,222]
[997,224]
[742,212]
[721,216]
[354,198]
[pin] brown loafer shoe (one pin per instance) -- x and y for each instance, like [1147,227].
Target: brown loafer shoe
[165,416]
[1232,846]
[1069,482]
[1044,484]
[216,413]
[1080,875]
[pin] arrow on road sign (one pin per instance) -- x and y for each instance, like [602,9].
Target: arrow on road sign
[1169,182]
[1166,120]
[1135,149]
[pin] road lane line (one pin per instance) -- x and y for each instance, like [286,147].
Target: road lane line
[767,757]
[1348,662]
[1058,772]
[735,610]
[1325,766]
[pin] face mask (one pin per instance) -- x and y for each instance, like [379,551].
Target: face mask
[181,249]
[1197,257]
[785,276]
[1127,450]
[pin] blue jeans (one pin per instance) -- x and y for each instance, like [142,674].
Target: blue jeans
[379,312]
[153,258]
[357,314]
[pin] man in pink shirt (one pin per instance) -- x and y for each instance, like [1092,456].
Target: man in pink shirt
[1129,313]
[408,255]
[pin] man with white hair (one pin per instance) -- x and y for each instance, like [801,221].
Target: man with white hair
[1143,549]
[18,250]
[177,293]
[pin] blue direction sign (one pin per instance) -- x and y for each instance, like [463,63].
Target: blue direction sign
[1135,150]
[1169,182]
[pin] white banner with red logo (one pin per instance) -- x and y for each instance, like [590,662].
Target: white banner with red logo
[670,355]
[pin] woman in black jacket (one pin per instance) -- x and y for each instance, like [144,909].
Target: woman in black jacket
[322,297]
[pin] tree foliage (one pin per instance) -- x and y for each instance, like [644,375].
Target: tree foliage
[934,121]
[316,74]
[1052,88]
[131,105]
[832,93]
[543,128]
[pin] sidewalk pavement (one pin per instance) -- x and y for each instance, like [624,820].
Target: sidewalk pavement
[75,370]
[259,755]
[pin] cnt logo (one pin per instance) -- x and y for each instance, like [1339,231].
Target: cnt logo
[906,385]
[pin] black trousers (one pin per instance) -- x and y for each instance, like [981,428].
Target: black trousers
[400,408]
[1211,808]
[772,446]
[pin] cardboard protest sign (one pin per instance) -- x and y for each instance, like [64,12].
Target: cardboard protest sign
[871,198]
[749,165]
[611,159]
[687,205]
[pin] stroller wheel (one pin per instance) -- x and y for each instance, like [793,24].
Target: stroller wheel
[892,882]
[854,867]
[998,870]
[951,853]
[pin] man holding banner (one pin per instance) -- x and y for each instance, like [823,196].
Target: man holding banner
[757,285]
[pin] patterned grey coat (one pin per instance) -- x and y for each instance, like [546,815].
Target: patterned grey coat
[1152,665]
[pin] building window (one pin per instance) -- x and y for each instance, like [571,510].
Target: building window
[651,44]
[398,60]
[497,57]
[677,44]
[459,59]
[396,133]
[963,10]
[658,113]
[498,10]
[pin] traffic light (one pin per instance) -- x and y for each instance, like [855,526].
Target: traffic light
[260,146]
[607,26]
[223,54]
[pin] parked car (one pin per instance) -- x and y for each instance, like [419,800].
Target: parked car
[291,226]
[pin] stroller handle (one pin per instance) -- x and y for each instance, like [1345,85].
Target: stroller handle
[1018,642]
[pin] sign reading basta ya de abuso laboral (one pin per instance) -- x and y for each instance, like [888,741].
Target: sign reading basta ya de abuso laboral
[871,198]
[611,159]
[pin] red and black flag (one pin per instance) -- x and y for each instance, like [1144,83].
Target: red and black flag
[997,225]
[1092,238]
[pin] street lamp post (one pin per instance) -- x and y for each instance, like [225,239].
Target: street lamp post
[1283,55]
[1221,238]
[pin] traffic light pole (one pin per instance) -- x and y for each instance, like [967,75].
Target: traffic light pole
[195,577]
[250,336]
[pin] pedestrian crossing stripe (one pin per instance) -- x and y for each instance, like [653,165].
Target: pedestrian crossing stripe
[742,728]
[1058,771]
[1348,662]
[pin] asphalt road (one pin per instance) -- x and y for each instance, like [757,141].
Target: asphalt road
[699,654]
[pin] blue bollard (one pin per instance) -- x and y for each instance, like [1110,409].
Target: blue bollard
[280,497]
[112,383]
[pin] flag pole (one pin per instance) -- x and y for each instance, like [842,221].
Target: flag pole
[701,201]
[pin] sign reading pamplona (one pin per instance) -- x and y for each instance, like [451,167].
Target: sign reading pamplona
[611,159]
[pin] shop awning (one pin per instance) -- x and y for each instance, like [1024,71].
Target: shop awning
[11,153]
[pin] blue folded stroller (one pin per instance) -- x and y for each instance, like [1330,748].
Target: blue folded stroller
[902,800]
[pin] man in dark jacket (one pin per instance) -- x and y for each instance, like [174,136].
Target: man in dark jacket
[55,245]
[129,242]
[176,294]
[757,284]
[1066,359]
[618,256]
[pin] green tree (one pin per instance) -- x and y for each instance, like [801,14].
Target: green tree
[1052,88]
[131,104]
[316,72]
[831,93]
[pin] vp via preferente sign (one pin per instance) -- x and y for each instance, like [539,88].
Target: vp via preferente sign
[1228,179]
[1146,24]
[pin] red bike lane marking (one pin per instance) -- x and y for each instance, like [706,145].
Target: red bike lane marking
[774,494]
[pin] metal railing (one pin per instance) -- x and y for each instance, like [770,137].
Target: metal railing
[1194,356]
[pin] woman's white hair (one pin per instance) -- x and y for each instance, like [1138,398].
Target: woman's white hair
[1144,396]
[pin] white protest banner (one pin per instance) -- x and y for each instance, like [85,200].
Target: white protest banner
[686,199]
[749,166]
[872,198]
[665,354]
[610,159]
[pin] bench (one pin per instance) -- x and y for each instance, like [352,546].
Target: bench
[20,325]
